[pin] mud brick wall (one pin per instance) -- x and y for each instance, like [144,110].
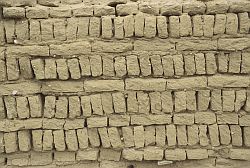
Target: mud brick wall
[124,83]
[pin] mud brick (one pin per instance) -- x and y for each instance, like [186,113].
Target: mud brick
[150,27]
[128,135]
[155,102]
[132,154]
[94,26]
[214,7]
[23,110]
[246,136]
[160,136]
[200,63]
[107,32]
[236,135]
[211,67]
[61,107]
[46,29]
[49,106]
[191,100]
[34,30]
[86,106]
[214,134]
[22,30]
[85,66]
[240,99]
[180,101]
[166,102]
[107,103]
[53,124]
[203,100]
[185,25]
[216,100]
[94,137]
[50,69]
[59,140]
[227,118]
[133,65]
[96,65]
[197,153]
[171,8]
[234,62]
[247,103]
[208,27]
[38,68]
[39,12]
[11,108]
[97,122]
[220,24]
[82,136]
[40,158]
[156,65]
[10,142]
[244,120]
[74,68]
[192,134]
[171,134]
[59,27]
[139,136]
[178,65]
[100,10]
[129,24]
[194,7]
[119,102]
[24,140]
[240,154]
[162,27]
[64,157]
[189,64]
[120,66]
[87,154]
[149,8]
[60,12]
[96,104]
[83,27]
[118,24]
[153,153]
[143,102]
[53,3]
[149,133]
[232,23]
[13,12]
[3,74]
[175,154]
[197,21]
[174,26]
[2,109]
[223,60]
[181,135]
[110,154]
[228,97]
[245,64]
[184,119]
[146,84]
[35,104]
[71,28]
[127,9]
[103,132]
[114,137]
[9,27]
[205,118]
[145,65]
[12,68]
[139,24]
[203,135]
[74,107]
[132,103]
[2,33]
[225,137]
[74,124]
[150,119]
[243,22]
[108,66]
[37,138]
[71,140]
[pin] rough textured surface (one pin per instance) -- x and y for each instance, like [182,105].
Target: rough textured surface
[124,83]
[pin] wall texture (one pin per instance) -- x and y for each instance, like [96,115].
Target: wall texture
[124,84]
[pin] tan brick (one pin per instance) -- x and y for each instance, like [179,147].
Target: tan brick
[23,110]
[203,99]
[128,136]
[183,119]
[103,132]
[10,105]
[228,81]
[194,7]
[59,140]
[100,10]
[220,24]
[61,107]
[232,23]
[9,29]
[82,136]
[13,12]
[199,45]
[86,106]
[110,154]
[180,101]
[38,68]
[132,103]
[18,159]
[236,135]
[108,66]
[94,26]
[71,28]
[119,102]
[166,102]
[234,62]
[53,123]
[227,118]
[244,120]
[174,26]
[62,86]
[245,64]
[119,120]
[155,45]
[203,135]
[22,30]
[162,27]
[139,24]
[178,64]
[156,65]
[74,107]
[59,29]
[240,98]
[120,66]
[24,140]
[129,24]
[171,8]
[197,21]
[50,69]
[132,154]
[35,105]
[127,9]
[114,137]
[76,48]
[96,104]
[175,154]
[171,134]
[37,12]
[187,83]
[191,100]
[240,154]
[139,136]
[233,44]
[107,27]
[214,7]
[46,29]
[243,22]
[214,134]
[143,102]
[24,87]
[146,84]
[185,25]
[200,63]
[40,158]
[71,140]
[49,106]
[97,122]
[74,68]
[189,64]
[149,135]
[228,98]
[64,157]
[84,25]
[247,103]
[150,119]
[94,138]
[205,118]
[87,154]
[192,135]
[85,66]
[155,102]
[47,140]
[12,68]
[211,66]
[103,85]
[150,27]
[74,124]
[62,69]
[118,25]
[2,109]
[208,27]
[160,135]
[133,65]
[246,136]
[3,74]
[225,137]
[2,33]
[181,135]
[10,142]
[60,12]
[35,34]
[153,153]
[197,153]
[149,8]
[37,138]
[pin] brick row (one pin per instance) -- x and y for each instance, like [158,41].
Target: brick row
[136,137]
[132,102]
[120,66]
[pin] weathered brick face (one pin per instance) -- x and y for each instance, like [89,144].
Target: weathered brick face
[123,83]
